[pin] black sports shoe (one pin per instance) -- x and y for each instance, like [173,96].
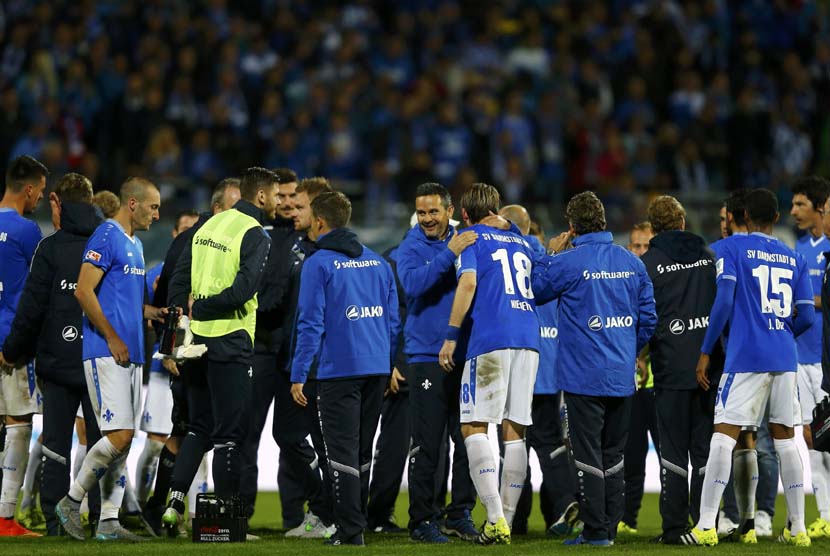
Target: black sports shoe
[387,526]
[152,517]
[337,540]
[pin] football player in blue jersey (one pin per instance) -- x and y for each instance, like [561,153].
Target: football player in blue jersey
[809,195]
[111,292]
[19,396]
[760,283]
[494,288]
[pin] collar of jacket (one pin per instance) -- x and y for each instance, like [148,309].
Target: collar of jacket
[419,233]
[251,210]
[595,237]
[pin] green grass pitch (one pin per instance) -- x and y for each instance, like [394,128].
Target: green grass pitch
[267,521]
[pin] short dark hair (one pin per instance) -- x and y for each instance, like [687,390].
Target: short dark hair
[221,187]
[182,213]
[135,188]
[761,206]
[479,200]
[254,180]
[815,188]
[431,188]
[333,207]
[22,171]
[736,206]
[74,188]
[285,175]
[314,186]
[586,213]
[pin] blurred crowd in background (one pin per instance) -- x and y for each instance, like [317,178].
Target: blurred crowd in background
[542,98]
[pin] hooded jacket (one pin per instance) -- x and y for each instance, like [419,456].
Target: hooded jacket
[606,314]
[682,270]
[49,320]
[347,313]
[273,289]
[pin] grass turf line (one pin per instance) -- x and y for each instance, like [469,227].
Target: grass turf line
[267,521]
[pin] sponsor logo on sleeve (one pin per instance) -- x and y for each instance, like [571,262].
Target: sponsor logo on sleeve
[719,267]
[93,256]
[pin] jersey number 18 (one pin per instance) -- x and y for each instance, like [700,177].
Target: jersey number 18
[521,266]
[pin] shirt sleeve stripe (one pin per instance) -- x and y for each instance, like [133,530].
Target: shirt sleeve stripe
[805,302]
[727,277]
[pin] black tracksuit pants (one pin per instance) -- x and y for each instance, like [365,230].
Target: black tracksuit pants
[597,429]
[296,479]
[643,423]
[685,421]
[435,410]
[218,395]
[390,456]
[545,437]
[349,414]
[60,405]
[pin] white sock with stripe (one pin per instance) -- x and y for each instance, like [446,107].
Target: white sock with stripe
[94,466]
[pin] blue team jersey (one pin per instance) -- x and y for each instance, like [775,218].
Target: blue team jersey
[548,345]
[770,281]
[18,240]
[809,342]
[121,291]
[503,313]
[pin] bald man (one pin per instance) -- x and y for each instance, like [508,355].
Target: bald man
[111,293]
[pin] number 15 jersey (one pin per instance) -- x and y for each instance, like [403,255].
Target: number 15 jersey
[771,280]
[503,312]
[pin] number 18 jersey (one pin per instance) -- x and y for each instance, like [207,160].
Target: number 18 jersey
[503,312]
[771,281]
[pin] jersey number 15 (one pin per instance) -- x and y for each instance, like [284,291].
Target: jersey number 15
[776,281]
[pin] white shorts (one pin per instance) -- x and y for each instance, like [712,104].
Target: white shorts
[809,390]
[115,392]
[158,405]
[19,392]
[499,385]
[743,398]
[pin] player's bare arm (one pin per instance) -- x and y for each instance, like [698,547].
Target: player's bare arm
[88,279]
[464,294]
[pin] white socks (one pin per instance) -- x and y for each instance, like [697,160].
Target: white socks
[792,479]
[717,475]
[80,454]
[14,466]
[145,470]
[745,475]
[199,485]
[30,483]
[93,468]
[483,473]
[113,485]
[513,474]
[821,488]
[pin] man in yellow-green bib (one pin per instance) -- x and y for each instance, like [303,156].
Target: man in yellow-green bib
[222,268]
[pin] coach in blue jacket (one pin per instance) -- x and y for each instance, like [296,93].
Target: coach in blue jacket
[347,318]
[606,316]
[426,270]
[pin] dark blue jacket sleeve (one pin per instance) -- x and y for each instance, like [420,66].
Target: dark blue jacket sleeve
[418,276]
[311,310]
[719,316]
[647,321]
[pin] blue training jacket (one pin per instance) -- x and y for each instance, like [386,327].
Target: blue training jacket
[606,314]
[347,314]
[427,274]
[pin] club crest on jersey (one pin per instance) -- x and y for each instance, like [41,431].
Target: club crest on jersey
[93,256]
